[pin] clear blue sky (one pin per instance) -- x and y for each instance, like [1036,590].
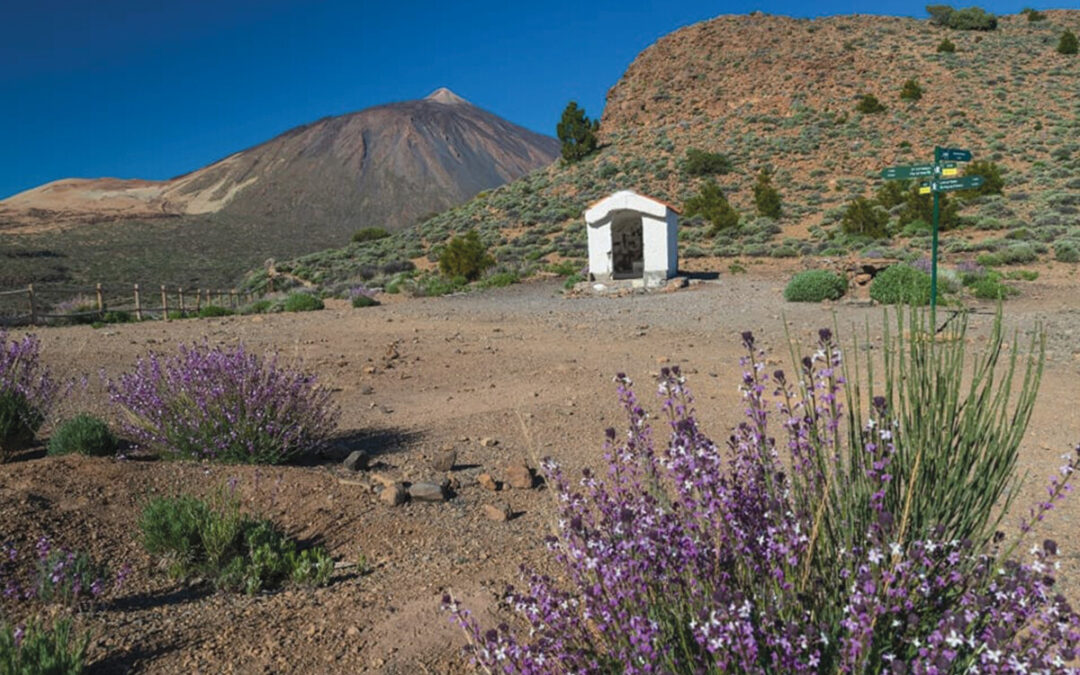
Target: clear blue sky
[155,89]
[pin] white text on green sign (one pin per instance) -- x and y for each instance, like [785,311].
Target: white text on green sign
[962,183]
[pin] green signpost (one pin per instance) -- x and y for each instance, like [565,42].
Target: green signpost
[942,175]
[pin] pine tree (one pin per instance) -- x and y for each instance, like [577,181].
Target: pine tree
[576,132]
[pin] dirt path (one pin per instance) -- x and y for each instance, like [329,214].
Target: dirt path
[522,367]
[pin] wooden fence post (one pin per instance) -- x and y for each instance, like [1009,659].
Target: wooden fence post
[33,307]
[138,304]
[233,299]
[100,301]
[164,303]
[181,292]
[198,299]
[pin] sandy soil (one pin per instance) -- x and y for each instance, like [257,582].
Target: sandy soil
[522,366]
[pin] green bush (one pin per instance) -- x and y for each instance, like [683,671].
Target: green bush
[968,18]
[465,256]
[1068,43]
[1033,14]
[946,46]
[364,301]
[211,311]
[711,204]
[868,105]
[990,287]
[993,183]
[1066,251]
[85,435]
[216,541]
[258,307]
[500,280]
[701,163]
[372,233]
[42,650]
[865,218]
[302,302]
[815,286]
[901,284]
[892,193]
[911,91]
[766,197]
[920,207]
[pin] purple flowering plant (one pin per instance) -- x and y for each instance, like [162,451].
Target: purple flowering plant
[223,403]
[56,575]
[27,392]
[805,545]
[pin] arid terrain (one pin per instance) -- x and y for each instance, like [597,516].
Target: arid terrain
[503,376]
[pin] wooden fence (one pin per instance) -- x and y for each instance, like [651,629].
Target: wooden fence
[57,304]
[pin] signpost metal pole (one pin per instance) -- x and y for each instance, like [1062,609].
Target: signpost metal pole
[934,240]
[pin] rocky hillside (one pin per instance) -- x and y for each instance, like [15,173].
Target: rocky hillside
[781,93]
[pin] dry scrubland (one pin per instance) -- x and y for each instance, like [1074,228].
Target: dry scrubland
[496,366]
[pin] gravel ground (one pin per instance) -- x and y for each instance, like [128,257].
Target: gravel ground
[503,376]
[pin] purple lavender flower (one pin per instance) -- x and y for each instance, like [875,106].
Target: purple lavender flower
[26,388]
[223,403]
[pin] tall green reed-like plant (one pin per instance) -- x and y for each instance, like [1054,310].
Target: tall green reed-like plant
[957,418]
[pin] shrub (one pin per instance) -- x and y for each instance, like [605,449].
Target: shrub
[972,18]
[865,218]
[911,91]
[946,46]
[868,105]
[1033,14]
[766,197]
[993,183]
[892,193]
[1066,251]
[576,133]
[239,552]
[85,435]
[919,207]
[701,163]
[711,204]
[1068,43]
[990,287]
[258,307]
[870,548]
[364,301]
[901,284]
[36,648]
[500,280]
[27,392]
[465,256]
[223,403]
[361,296]
[302,302]
[374,233]
[211,311]
[815,286]
[968,18]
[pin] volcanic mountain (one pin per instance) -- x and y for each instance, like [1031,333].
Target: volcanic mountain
[384,166]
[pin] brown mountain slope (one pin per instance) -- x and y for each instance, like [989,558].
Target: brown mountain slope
[383,166]
[781,93]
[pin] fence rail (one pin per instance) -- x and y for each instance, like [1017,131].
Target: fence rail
[35,306]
